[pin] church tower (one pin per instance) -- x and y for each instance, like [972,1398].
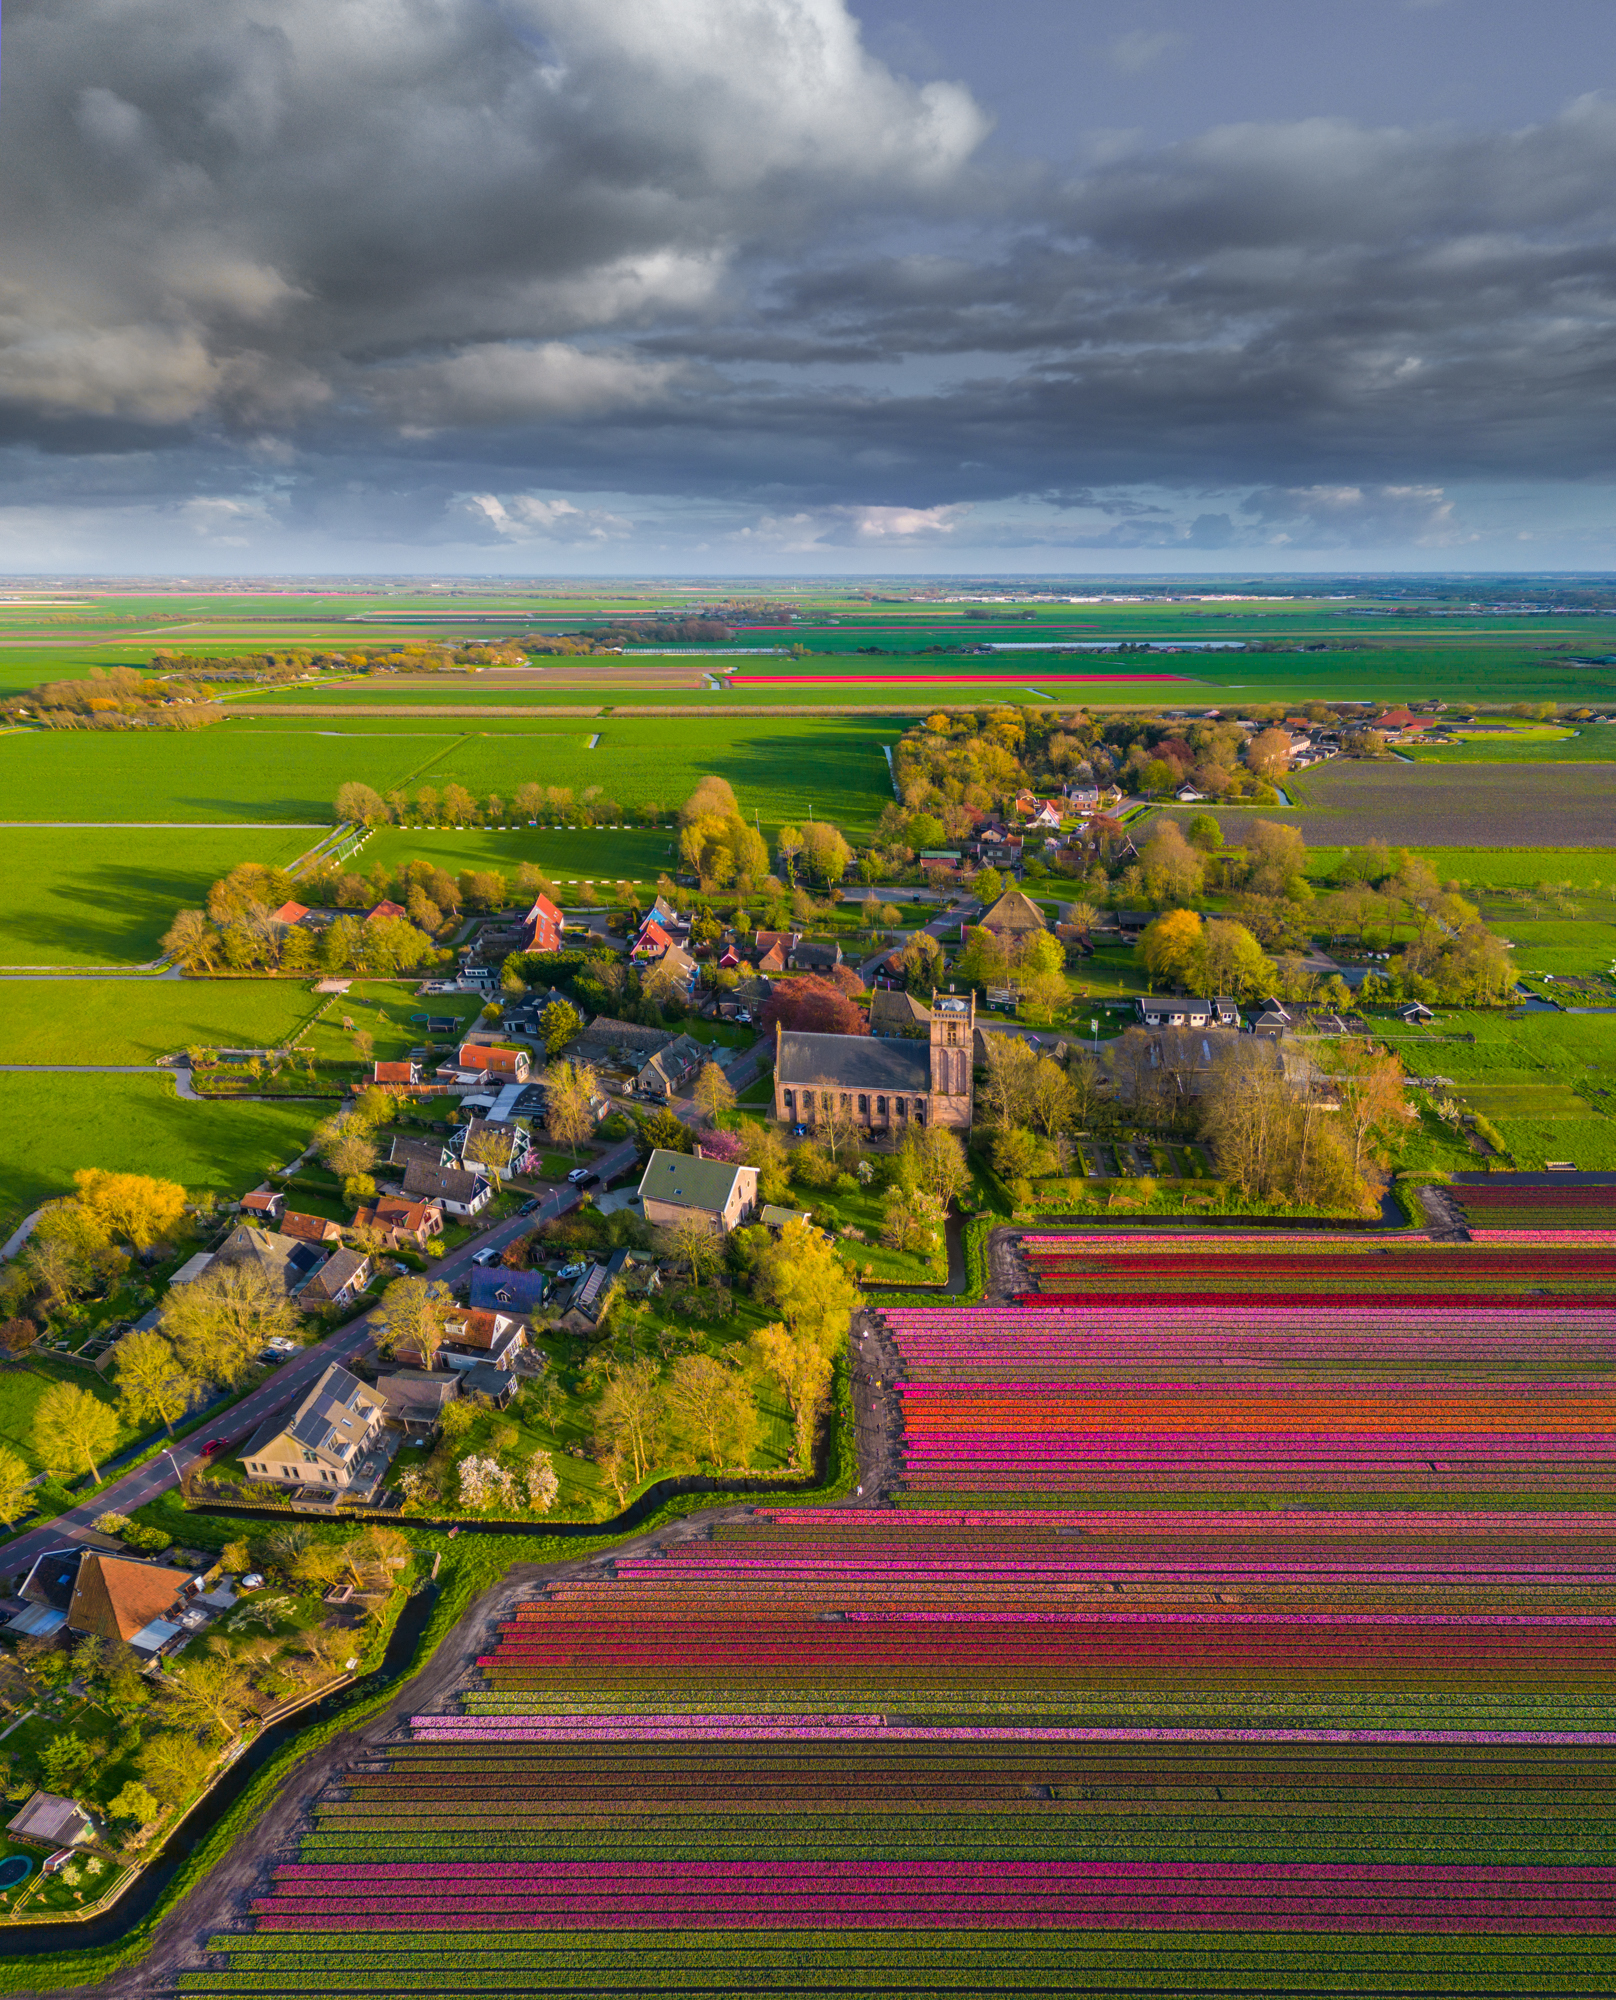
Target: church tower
[953,1047]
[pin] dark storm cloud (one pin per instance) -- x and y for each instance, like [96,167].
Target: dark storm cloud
[399,261]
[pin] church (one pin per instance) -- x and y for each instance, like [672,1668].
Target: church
[883,1085]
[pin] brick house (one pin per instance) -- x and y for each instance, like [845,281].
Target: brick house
[677,1185]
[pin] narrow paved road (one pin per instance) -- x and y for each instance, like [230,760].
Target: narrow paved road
[288,1383]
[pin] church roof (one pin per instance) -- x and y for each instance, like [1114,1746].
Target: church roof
[854,1062]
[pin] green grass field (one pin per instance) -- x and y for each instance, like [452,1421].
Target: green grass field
[22,1386]
[599,855]
[55,1124]
[121,1021]
[222,773]
[98,896]
[1592,743]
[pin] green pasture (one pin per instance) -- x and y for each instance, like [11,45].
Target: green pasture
[104,896]
[602,855]
[134,1021]
[1588,1143]
[1536,1101]
[222,773]
[1592,742]
[831,766]
[53,1124]
[21,1388]
[382,1010]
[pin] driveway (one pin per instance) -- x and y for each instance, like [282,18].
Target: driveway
[937,927]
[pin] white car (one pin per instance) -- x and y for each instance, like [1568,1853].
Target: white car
[486,1257]
[580,1174]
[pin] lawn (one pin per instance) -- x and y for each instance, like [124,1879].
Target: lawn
[382,1009]
[97,896]
[55,1124]
[136,1021]
[22,1385]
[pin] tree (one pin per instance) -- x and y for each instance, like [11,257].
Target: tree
[1174,874]
[1374,1104]
[220,1323]
[133,1206]
[191,941]
[65,1758]
[151,1382]
[413,1311]
[987,885]
[1169,947]
[345,1144]
[543,1487]
[714,1093]
[711,1406]
[985,958]
[490,1150]
[1204,833]
[937,1161]
[667,1130]
[561,1023]
[14,1485]
[73,1429]
[1231,961]
[1051,1098]
[804,1370]
[807,1283]
[630,1411]
[788,845]
[694,1241]
[1007,1089]
[911,1219]
[921,962]
[134,1802]
[826,852]
[361,805]
[813,1006]
[1268,755]
[209,1693]
[571,1089]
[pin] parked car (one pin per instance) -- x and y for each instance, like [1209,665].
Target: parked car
[214,1446]
[486,1257]
[527,1208]
[579,1174]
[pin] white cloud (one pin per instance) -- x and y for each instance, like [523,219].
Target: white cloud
[1141,49]
[522,517]
[507,384]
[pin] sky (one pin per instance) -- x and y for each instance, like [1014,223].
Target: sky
[774,287]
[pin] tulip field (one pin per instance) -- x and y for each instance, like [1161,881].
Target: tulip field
[1244,1624]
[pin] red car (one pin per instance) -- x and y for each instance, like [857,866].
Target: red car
[214,1446]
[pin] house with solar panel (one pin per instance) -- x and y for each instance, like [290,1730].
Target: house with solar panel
[334,1439]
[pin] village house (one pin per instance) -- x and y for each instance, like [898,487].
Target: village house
[501,1146]
[282,1258]
[263,1205]
[397,1222]
[883,1084]
[671,1069]
[331,1440]
[338,1282]
[472,1337]
[677,1185]
[310,1228]
[508,1065]
[1180,1010]
[814,955]
[453,1190]
[494,1289]
[415,1401]
[652,943]
[402,1073]
[51,1821]
[92,1591]
[1013,917]
[542,926]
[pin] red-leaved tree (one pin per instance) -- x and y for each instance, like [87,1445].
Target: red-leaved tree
[813,1006]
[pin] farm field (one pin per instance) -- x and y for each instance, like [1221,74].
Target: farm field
[101,896]
[1593,743]
[55,1124]
[1253,1642]
[1500,809]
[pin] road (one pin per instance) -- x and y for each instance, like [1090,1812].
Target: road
[286,1386]
[937,927]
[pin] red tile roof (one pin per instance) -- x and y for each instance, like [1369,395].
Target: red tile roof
[385,909]
[289,913]
[395,1072]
